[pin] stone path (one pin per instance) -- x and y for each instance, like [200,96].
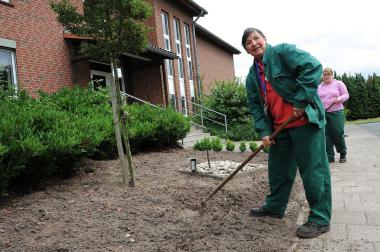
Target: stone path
[355,224]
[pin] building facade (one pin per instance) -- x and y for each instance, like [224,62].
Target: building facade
[36,54]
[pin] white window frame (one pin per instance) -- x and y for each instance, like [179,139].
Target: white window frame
[177,37]
[167,46]
[106,75]
[13,65]
[188,58]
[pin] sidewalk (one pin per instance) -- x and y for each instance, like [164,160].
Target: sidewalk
[355,223]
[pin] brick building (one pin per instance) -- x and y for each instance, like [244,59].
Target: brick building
[36,54]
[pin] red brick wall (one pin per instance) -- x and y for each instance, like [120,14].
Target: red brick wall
[147,85]
[174,11]
[42,56]
[215,64]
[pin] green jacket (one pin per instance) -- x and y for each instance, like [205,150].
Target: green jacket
[294,75]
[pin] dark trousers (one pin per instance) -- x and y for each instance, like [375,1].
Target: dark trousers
[335,133]
[303,147]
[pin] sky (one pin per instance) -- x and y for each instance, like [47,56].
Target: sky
[341,34]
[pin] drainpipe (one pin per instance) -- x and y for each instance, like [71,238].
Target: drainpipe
[196,54]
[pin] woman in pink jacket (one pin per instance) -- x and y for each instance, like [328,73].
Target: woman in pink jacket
[333,94]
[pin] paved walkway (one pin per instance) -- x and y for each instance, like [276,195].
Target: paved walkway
[355,224]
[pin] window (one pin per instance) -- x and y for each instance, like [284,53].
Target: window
[8,78]
[177,36]
[188,52]
[166,32]
[5,1]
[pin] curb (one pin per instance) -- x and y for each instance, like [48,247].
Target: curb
[302,217]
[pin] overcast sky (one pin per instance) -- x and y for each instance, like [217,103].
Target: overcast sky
[342,34]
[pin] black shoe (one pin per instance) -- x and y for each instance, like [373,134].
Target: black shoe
[342,158]
[331,160]
[263,212]
[311,230]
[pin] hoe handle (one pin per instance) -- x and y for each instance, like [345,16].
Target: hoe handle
[272,136]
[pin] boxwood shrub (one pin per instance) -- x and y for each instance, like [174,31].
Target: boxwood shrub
[48,136]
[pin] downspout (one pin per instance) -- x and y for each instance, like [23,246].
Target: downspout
[196,55]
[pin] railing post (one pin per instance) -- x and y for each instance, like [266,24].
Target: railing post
[202,116]
[225,122]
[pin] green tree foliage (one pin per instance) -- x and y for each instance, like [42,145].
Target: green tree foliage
[216,144]
[113,27]
[364,101]
[230,98]
[116,25]
[204,145]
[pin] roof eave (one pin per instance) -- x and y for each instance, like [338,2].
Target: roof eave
[203,31]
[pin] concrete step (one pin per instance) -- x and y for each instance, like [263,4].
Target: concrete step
[196,133]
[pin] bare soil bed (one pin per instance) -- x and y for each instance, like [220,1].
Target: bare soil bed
[94,212]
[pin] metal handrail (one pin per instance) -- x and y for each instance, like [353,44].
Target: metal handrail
[209,119]
[126,95]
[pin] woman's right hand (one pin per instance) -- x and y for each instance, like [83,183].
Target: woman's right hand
[267,142]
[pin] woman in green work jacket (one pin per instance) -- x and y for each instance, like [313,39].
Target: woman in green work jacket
[283,82]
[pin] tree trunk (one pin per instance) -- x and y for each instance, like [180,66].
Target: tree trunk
[116,123]
[124,128]
[208,159]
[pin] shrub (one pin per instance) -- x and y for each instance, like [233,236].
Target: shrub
[48,136]
[230,146]
[216,144]
[202,145]
[149,126]
[253,146]
[242,147]
[39,138]
[230,98]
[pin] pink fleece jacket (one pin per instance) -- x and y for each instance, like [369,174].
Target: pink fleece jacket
[333,95]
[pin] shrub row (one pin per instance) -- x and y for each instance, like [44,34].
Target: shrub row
[48,136]
[364,99]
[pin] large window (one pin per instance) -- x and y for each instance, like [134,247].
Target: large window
[166,32]
[177,36]
[188,52]
[8,78]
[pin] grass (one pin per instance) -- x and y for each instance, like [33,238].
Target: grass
[361,121]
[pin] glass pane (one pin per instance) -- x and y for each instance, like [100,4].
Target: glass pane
[180,64]
[167,44]
[187,34]
[176,29]
[164,19]
[98,81]
[5,69]
[190,70]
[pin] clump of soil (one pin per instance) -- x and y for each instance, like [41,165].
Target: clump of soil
[94,212]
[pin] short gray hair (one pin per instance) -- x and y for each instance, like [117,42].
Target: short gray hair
[247,32]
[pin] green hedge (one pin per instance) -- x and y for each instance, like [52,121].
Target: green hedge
[48,136]
[364,101]
[38,139]
[150,126]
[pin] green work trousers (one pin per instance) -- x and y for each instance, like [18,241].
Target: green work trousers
[303,147]
[335,133]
